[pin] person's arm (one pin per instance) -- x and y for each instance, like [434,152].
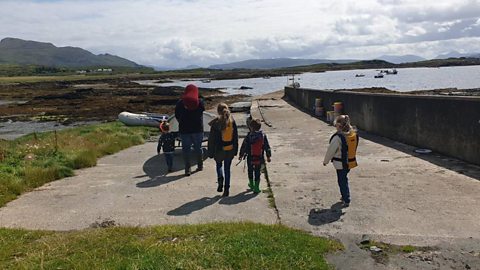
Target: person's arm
[201,105]
[179,110]
[266,147]
[211,145]
[243,148]
[159,146]
[332,149]
[235,138]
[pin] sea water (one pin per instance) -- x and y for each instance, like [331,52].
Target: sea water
[407,79]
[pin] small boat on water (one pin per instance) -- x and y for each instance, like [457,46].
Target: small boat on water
[206,81]
[266,77]
[378,76]
[392,72]
[359,75]
[389,71]
[295,85]
[292,83]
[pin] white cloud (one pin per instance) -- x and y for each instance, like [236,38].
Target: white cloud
[416,31]
[183,32]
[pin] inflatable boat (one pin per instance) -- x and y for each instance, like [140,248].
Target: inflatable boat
[153,120]
[142,119]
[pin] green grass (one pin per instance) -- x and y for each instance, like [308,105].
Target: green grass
[210,246]
[36,159]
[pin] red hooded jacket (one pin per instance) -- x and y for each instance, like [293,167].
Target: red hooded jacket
[190,97]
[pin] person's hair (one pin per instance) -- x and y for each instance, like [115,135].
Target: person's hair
[255,124]
[165,126]
[343,121]
[224,115]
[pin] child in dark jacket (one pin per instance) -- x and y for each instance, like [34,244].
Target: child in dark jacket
[255,147]
[166,142]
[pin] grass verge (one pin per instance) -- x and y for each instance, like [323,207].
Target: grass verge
[209,246]
[33,160]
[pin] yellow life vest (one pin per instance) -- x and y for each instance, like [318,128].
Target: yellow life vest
[349,150]
[227,136]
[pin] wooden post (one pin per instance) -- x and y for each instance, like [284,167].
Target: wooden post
[56,141]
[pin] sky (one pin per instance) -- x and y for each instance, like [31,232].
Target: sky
[178,33]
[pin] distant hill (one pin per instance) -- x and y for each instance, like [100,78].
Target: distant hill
[400,59]
[455,54]
[276,63]
[191,67]
[26,52]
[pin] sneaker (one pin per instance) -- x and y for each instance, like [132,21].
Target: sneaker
[199,169]
[226,193]
[170,170]
[344,204]
[188,173]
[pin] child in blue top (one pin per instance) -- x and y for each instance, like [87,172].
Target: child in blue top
[166,142]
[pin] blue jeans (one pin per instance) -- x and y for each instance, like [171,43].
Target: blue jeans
[227,163]
[169,160]
[343,184]
[188,140]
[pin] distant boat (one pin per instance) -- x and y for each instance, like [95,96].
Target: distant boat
[378,76]
[206,81]
[359,75]
[266,77]
[293,83]
[392,72]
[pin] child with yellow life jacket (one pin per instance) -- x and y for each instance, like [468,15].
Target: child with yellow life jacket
[342,152]
[223,145]
[255,147]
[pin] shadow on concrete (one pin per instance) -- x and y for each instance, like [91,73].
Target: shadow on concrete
[239,198]
[437,159]
[193,206]
[319,217]
[156,168]
[158,181]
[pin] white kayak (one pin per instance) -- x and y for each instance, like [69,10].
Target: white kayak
[153,120]
[142,119]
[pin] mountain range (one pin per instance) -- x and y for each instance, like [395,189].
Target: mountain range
[292,62]
[400,59]
[276,63]
[455,54]
[26,52]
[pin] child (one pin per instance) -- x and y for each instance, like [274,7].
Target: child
[223,145]
[342,152]
[255,146]
[166,142]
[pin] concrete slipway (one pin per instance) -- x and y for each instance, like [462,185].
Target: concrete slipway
[397,197]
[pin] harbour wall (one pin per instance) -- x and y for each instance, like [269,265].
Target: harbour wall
[447,125]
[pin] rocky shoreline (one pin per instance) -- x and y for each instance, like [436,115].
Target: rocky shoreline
[99,100]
